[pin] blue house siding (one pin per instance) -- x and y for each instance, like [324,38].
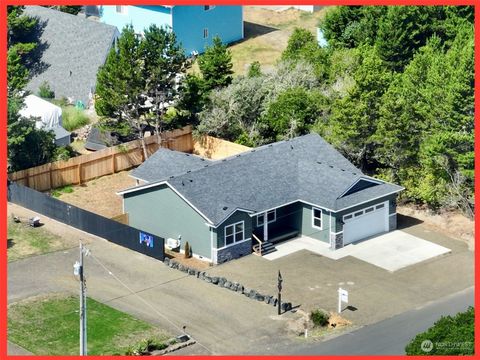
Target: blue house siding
[308,229]
[162,212]
[189,23]
[140,17]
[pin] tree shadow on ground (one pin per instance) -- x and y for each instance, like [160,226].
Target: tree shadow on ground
[404,221]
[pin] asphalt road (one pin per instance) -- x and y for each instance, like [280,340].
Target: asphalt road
[389,337]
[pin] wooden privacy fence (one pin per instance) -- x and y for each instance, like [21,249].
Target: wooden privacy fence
[103,162]
[215,148]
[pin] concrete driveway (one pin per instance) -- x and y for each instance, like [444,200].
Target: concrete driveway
[391,251]
[395,250]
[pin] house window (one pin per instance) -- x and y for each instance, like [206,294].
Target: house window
[271,217]
[209,7]
[234,233]
[317,218]
[205,33]
[121,9]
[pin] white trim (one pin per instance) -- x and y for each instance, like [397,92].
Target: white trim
[235,243]
[313,218]
[211,242]
[392,214]
[366,201]
[172,188]
[230,214]
[357,181]
[363,211]
[234,233]
[265,215]
[340,232]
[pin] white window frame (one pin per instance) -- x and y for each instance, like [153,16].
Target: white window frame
[122,8]
[205,33]
[363,211]
[235,240]
[314,217]
[274,211]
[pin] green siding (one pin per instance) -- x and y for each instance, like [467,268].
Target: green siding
[234,218]
[309,230]
[162,212]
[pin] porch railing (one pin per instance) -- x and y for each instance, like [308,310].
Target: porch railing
[257,248]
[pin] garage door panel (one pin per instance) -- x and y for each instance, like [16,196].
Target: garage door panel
[365,224]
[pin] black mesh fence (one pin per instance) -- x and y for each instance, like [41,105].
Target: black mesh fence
[118,233]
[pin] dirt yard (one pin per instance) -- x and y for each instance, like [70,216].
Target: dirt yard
[451,223]
[266,35]
[99,195]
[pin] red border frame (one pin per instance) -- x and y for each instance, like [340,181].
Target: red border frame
[3,135]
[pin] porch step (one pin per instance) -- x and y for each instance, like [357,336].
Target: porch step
[267,248]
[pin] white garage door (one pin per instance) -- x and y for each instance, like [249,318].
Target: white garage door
[365,222]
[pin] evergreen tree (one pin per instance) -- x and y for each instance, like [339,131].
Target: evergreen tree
[216,65]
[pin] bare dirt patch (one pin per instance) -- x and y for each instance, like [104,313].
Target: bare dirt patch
[99,195]
[450,223]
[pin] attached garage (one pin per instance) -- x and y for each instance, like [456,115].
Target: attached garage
[365,222]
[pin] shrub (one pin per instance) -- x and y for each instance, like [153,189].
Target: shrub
[62,190]
[73,118]
[44,91]
[64,153]
[319,318]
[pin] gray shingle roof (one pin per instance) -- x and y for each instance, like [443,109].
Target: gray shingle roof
[73,49]
[165,163]
[306,168]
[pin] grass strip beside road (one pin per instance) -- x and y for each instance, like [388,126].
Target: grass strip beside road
[50,326]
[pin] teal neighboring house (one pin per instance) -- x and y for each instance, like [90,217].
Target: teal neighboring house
[249,202]
[194,26]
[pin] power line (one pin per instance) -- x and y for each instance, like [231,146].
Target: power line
[180,329]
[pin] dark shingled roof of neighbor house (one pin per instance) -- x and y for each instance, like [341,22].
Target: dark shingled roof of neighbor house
[72,50]
[306,168]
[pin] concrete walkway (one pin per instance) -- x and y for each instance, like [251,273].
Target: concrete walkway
[391,251]
[14,349]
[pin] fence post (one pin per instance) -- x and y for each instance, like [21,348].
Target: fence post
[27,178]
[79,173]
[50,174]
[113,163]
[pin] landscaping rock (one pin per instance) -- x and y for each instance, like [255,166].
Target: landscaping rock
[197,273]
[180,267]
[221,281]
[202,275]
[208,279]
[268,298]
[214,280]
[166,261]
[227,284]
[274,302]
[240,289]
[234,286]
[286,306]
[191,271]
[259,297]
[252,294]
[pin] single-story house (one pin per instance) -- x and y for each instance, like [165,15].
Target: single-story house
[70,51]
[224,208]
[194,26]
[49,117]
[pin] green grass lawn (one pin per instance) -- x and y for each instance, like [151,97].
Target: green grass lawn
[50,326]
[24,240]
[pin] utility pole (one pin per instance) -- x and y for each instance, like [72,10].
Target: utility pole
[78,270]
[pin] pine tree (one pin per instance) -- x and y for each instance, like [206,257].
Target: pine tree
[216,65]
